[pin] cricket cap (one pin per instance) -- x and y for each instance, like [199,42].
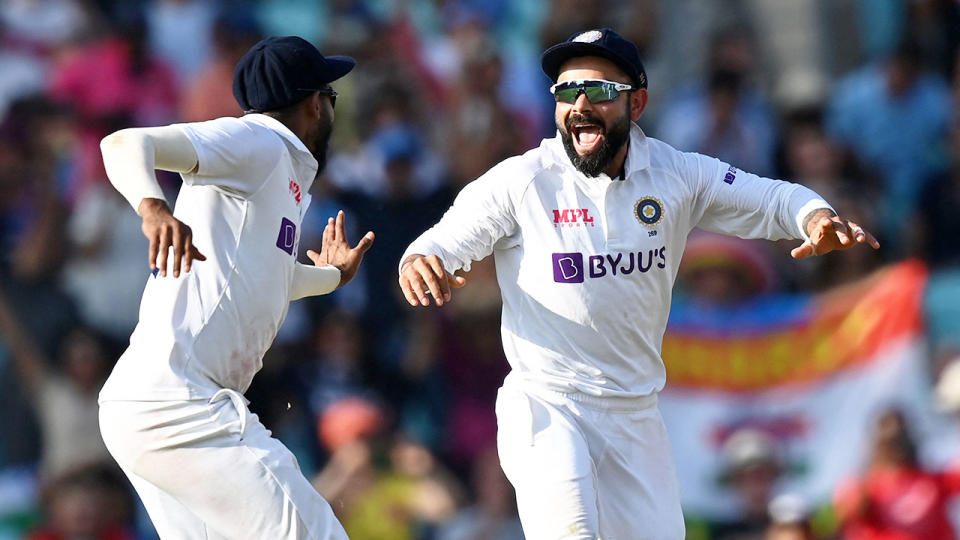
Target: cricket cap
[602,42]
[280,71]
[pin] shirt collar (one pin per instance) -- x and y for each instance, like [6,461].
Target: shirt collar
[638,152]
[273,124]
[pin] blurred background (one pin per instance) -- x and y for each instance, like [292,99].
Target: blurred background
[810,399]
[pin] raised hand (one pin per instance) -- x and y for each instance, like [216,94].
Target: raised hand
[163,230]
[424,276]
[829,232]
[336,251]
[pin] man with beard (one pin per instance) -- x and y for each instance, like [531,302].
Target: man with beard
[172,412]
[587,231]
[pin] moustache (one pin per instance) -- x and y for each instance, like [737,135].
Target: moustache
[575,119]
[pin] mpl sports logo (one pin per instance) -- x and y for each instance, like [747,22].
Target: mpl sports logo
[570,267]
[572,217]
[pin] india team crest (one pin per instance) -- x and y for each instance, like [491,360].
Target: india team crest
[649,211]
[588,37]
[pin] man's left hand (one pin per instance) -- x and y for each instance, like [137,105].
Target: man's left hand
[336,250]
[829,232]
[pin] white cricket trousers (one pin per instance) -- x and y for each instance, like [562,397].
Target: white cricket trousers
[211,470]
[586,467]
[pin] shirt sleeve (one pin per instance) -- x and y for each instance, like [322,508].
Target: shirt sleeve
[481,219]
[232,154]
[731,201]
[313,281]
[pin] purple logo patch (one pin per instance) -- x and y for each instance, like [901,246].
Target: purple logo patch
[731,175]
[568,267]
[288,236]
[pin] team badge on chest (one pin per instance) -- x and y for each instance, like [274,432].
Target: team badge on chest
[649,211]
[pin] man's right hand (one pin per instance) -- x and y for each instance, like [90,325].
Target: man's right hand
[424,276]
[163,230]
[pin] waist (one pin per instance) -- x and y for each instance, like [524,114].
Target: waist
[603,400]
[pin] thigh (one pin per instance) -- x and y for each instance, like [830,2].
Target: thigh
[637,492]
[545,457]
[170,517]
[240,485]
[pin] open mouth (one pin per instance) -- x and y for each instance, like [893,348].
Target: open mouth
[586,137]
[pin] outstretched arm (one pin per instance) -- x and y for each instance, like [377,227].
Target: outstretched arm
[828,232]
[131,157]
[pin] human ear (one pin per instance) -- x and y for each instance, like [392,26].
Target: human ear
[638,102]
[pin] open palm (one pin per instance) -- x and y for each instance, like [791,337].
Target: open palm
[336,251]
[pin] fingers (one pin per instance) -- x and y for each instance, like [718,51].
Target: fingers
[863,236]
[152,253]
[805,249]
[197,256]
[164,250]
[314,256]
[177,250]
[456,281]
[842,231]
[364,244]
[439,288]
[424,277]
[340,234]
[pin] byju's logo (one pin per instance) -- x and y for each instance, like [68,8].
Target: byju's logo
[288,236]
[569,267]
[572,217]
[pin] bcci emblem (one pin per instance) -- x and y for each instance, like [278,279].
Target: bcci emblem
[588,37]
[649,211]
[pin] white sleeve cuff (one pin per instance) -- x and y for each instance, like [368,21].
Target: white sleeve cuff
[313,280]
[810,206]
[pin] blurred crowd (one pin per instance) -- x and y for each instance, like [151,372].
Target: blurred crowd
[390,409]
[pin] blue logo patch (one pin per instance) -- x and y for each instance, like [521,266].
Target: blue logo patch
[731,175]
[287,239]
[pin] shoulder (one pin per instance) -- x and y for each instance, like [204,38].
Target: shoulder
[239,131]
[685,166]
[514,175]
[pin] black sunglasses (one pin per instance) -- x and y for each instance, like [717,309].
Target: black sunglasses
[328,91]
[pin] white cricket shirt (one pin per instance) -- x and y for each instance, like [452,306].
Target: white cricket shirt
[586,265]
[209,328]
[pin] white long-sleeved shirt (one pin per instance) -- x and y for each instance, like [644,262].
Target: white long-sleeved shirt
[208,329]
[586,265]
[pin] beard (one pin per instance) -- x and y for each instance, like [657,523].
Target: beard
[320,139]
[614,138]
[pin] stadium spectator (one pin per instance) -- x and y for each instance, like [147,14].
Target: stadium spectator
[90,503]
[753,467]
[895,497]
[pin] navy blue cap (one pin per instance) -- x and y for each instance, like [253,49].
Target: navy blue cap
[602,42]
[280,71]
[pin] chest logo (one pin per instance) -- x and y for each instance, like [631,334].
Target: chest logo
[649,211]
[295,190]
[287,239]
[572,217]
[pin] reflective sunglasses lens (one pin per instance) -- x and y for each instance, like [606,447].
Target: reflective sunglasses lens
[598,94]
[595,92]
[568,95]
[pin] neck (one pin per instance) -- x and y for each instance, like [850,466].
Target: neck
[295,124]
[615,169]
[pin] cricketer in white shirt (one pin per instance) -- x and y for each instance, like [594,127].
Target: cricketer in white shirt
[586,265]
[172,411]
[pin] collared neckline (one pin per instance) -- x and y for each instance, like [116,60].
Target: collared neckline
[278,126]
[638,153]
